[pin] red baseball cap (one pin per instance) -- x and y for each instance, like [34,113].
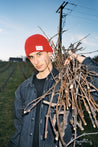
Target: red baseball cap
[37,43]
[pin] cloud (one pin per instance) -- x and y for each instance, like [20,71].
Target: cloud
[10,24]
[88,40]
[91,43]
[1,30]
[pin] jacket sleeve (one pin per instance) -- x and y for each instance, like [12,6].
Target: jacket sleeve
[18,115]
[92,66]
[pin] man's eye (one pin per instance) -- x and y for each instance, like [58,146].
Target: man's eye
[39,54]
[31,57]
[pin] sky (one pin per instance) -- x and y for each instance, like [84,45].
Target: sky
[20,19]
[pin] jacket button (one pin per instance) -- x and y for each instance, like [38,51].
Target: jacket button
[32,118]
[43,91]
[40,121]
[41,137]
[41,105]
[30,134]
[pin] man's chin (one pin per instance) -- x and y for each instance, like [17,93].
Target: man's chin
[39,69]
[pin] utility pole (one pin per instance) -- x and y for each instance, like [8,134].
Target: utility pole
[60,9]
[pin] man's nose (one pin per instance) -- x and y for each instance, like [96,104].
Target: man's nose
[35,61]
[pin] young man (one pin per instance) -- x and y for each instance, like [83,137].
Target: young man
[30,127]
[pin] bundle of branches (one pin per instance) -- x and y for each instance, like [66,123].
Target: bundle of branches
[74,93]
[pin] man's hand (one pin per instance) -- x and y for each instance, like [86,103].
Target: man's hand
[74,55]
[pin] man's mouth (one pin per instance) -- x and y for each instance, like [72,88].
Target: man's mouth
[38,66]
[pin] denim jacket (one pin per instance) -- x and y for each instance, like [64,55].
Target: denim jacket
[24,124]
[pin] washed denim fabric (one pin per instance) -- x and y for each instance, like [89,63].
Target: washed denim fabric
[24,124]
[91,65]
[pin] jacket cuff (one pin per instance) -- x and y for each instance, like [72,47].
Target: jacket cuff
[87,61]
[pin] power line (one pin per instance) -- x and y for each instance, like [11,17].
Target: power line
[83,6]
[85,18]
[77,5]
[82,12]
[91,15]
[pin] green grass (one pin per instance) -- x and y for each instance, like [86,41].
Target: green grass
[93,139]
[6,106]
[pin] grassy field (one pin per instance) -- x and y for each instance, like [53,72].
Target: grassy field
[6,107]
[6,103]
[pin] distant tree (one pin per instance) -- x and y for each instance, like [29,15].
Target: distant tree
[15,59]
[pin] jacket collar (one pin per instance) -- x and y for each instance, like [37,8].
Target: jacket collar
[54,72]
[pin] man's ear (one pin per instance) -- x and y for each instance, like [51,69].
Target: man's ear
[50,54]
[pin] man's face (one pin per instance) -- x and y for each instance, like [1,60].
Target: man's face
[40,60]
